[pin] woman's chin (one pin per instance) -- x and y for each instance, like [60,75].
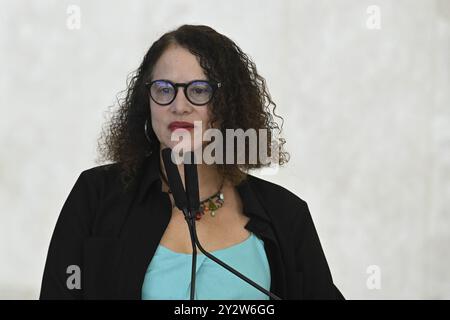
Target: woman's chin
[182,147]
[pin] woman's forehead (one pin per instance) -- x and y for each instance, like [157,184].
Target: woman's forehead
[179,65]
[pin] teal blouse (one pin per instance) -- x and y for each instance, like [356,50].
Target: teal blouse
[168,275]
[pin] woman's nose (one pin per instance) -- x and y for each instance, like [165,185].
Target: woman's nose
[181,104]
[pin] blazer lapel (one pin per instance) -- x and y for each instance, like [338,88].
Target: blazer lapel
[148,217]
[141,236]
[260,224]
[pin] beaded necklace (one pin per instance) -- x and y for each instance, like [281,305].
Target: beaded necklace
[210,204]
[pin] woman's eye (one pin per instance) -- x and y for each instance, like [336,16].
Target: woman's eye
[199,90]
[164,90]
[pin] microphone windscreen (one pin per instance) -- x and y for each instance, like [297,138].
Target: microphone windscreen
[191,183]
[174,179]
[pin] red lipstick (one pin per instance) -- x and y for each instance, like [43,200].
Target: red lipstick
[180,125]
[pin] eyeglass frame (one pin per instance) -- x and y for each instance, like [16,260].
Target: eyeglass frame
[213,84]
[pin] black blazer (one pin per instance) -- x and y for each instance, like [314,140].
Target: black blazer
[111,235]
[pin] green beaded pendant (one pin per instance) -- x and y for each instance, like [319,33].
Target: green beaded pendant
[212,204]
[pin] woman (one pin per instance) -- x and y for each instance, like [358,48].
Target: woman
[119,234]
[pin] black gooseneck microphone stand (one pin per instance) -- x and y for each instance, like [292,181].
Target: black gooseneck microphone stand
[189,203]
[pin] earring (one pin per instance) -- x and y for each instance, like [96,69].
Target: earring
[145,130]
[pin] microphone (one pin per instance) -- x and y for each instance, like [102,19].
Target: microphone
[191,183]
[174,179]
[191,196]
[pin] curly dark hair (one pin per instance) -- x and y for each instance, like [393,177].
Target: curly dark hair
[242,102]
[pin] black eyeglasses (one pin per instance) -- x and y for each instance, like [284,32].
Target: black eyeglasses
[198,92]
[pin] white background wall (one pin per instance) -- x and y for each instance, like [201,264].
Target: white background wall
[367,122]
